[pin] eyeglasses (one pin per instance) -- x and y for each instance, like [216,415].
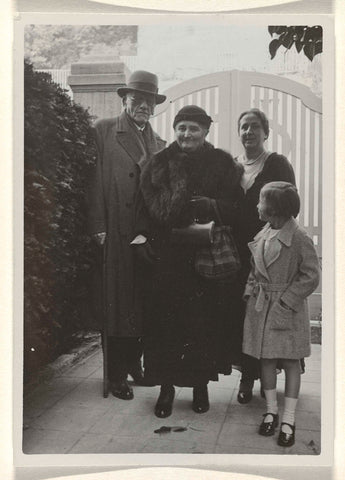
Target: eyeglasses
[139,98]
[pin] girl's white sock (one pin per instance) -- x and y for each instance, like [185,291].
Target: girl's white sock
[271,404]
[289,413]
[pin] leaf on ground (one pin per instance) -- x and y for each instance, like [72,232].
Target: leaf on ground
[164,430]
[197,429]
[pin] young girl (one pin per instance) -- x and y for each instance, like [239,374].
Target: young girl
[285,271]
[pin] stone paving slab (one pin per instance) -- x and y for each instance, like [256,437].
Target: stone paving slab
[308,403]
[170,445]
[83,371]
[46,396]
[48,441]
[106,443]
[238,450]
[236,438]
[68,414]
[69,419]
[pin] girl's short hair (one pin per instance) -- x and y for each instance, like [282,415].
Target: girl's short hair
[261,116]
[282,198]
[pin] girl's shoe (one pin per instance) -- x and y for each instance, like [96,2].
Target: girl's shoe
[165,401]
[201,403]
[286,439]
[267,429]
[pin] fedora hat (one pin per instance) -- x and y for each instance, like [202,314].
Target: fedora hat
[142,81]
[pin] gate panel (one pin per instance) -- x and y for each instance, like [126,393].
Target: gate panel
[295,118]
[206,92]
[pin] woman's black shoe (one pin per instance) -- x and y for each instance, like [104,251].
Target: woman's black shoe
[165,401]
[201,403]
[121,389]
[286,439]
[245,393]
[244,397]
[267,429]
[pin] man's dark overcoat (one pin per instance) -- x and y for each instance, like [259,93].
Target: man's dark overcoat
[122,151]
[188,320]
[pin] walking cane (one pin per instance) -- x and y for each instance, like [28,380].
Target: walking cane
[105,323]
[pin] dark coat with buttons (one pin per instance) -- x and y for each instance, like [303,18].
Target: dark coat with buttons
[270,329]
[122,151]
[187,318]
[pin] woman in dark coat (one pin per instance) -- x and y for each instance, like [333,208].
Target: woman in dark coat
[260,167]
[186,315]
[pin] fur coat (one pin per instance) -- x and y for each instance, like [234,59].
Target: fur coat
[185,314]
[172,177]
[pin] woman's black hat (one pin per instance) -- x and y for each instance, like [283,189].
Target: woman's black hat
[193,113]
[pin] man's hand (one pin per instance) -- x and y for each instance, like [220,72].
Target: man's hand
[145,253]
[99,238]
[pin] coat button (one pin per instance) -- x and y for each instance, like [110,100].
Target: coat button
[128,204]
[131,174]
[266,297]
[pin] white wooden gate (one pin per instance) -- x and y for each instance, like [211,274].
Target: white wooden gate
[294,115]
[295,118]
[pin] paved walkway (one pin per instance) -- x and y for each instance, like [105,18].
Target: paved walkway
[69,415]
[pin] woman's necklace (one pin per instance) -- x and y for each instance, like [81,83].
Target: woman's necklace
[250,161]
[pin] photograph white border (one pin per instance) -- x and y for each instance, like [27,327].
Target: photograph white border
[195,5]
[325,458]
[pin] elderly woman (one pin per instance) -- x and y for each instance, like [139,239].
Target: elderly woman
[186,315]
[260,167]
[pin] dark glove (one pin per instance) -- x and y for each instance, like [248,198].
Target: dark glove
[202,209]
[145,253]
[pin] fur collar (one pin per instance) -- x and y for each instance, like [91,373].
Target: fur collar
[164,181]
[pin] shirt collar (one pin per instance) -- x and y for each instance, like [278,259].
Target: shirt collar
[141,129]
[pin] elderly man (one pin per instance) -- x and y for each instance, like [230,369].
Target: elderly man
[124,144]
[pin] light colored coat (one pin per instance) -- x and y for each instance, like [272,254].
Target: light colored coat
[271,330]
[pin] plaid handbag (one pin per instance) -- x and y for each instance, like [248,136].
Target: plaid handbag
[220,260]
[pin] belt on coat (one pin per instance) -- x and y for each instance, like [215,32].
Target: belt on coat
[261,289]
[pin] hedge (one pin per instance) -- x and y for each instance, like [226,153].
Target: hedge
[59,154]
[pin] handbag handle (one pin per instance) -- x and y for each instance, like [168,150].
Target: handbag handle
[216,211]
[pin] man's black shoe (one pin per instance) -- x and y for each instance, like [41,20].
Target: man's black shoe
[121,389]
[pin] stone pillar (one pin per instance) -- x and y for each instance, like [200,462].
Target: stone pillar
[94,81]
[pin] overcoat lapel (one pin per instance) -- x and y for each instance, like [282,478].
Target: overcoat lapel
[139,146]
[128,139]
[257,246]
[257,249]
[285,237]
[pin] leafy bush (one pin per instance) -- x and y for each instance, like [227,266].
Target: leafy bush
[58,155]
